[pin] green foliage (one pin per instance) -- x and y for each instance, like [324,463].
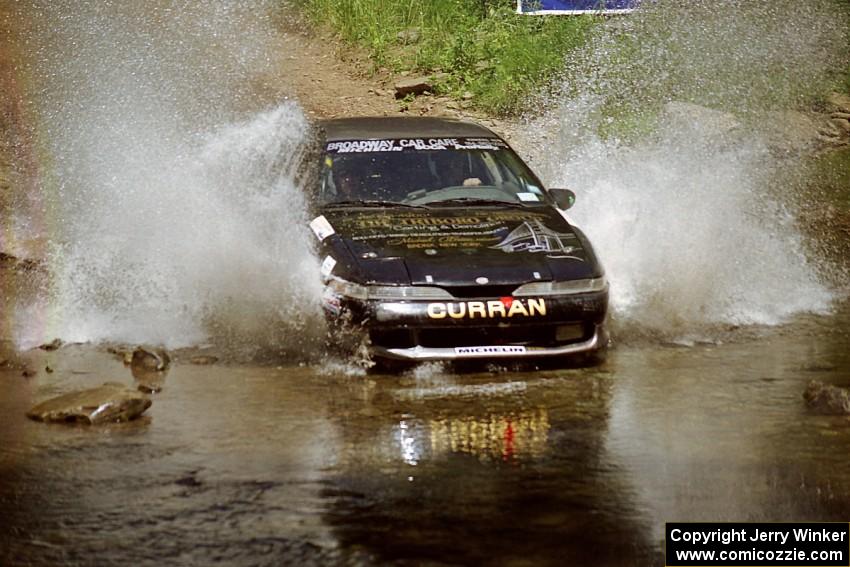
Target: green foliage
[483,45]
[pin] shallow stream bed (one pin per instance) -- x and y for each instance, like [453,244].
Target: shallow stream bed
[259,465]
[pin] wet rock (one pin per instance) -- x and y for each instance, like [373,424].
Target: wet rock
[17,263]
[29,372]
[149,387]
[8,364]
[48,369]
[110,402]
[203,359]
[415,86]
[149,381]
[826,399]
[190,481]
[53,345]
[147,358]
[124,353]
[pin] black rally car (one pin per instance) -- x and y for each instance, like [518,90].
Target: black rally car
[438,243]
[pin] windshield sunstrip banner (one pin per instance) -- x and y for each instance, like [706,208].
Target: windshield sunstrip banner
[418,144]
[571,7]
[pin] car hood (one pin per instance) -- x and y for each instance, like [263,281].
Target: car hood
[457,247]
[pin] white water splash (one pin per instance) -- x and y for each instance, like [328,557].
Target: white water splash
[211,244]
[686,218]
[177,216]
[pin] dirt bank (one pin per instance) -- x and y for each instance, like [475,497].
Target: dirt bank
[331,80]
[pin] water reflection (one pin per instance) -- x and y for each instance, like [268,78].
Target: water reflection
[493,437]
[507,437]
[474,470]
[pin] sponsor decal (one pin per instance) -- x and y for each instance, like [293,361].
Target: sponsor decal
[417,144]
[534,236]
[504,307]
[487,350]
[331,302]
[528,197]
[415,231]
[328,266]
[321,227]
[416,220]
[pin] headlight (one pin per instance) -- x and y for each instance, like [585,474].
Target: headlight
[407,292]
[386,292]
[348,289]
[561,288]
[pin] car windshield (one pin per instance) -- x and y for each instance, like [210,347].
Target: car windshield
[426,171]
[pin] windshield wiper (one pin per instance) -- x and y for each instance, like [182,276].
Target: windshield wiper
[478,201]
[371,203]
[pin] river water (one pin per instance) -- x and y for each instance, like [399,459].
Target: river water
[166,206]
[263,465]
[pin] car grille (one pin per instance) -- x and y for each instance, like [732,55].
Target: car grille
[480,291]
[529,335]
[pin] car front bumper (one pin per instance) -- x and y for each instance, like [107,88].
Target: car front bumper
[477,328]
[418,353]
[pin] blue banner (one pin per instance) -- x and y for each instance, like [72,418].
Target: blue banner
[576,6]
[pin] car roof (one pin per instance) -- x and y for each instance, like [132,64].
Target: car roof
[394,127]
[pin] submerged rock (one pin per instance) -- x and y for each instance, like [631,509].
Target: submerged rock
[110,402]
[149,387]
[53,345]
[149,381]
[148,358]
[826,399]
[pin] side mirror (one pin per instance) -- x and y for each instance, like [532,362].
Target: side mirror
[564,198]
